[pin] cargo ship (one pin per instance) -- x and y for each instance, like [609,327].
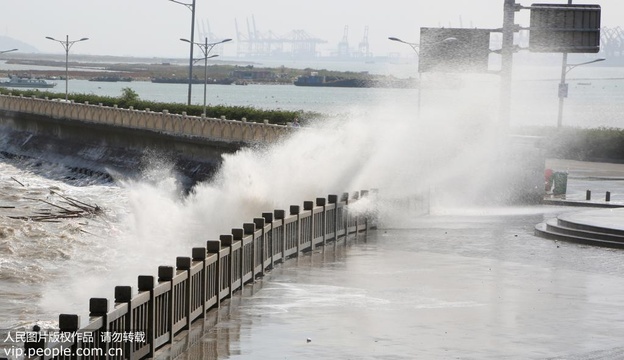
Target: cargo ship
[166,80]
[318,80]
[22,82]
[173,80]
[111,78]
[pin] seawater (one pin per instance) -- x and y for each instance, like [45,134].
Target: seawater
[594,99]
[376,138]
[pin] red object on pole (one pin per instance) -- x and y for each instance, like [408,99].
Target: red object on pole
[548,179]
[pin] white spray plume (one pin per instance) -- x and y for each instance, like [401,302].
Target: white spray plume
[390,149]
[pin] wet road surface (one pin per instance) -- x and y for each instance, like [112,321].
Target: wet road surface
[463,284]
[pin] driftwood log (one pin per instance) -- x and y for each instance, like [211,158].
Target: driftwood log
[66,208]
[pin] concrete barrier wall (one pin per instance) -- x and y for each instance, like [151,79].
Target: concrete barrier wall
[167,305]
[174,124]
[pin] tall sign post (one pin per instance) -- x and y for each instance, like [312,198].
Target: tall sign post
[566,29]
[507,50]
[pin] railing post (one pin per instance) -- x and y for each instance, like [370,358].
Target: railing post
[250,229]
[184,263]
[264,244]
[99,307]
[364,194]
[146,283]
[227,240]
[123,294]
[354,218]
[70,323]
[321,202]
[166,273]
[237,263]
[281,215]
[268,219]
[199,254]
[294,210]
[345,215]
[214,247]
[375,197]
[333,199]
[309,206]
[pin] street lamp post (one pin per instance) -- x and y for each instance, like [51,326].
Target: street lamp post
[6,51]
[206,47]
[414,47]
[66,45]
[191,7]
[563,87]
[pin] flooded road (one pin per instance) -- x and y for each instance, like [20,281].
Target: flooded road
[461,283]
[465,284]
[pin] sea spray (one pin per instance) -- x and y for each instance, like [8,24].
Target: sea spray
[157,224]
[402,153]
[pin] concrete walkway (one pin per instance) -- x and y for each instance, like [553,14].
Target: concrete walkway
[465,284]
[598,178]
[462,285]
[588,186]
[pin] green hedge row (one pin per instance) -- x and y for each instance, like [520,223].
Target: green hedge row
[130,98]
[595,144]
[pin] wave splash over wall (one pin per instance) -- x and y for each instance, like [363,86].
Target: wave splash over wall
[445,152]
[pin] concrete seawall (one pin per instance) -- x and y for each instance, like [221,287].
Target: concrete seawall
[103,138]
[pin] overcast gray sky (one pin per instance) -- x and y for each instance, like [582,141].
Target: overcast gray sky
[153,27]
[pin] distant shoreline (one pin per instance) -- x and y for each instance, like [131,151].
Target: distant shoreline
[87,68]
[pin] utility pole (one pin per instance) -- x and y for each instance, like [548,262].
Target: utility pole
[191,7]
[67,44]
[563,87]
[507,51]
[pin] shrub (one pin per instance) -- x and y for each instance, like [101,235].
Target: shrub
[129,97]
[596,144]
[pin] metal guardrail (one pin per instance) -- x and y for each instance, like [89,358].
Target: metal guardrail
[167,305]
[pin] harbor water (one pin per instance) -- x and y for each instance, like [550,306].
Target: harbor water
[594,99]
[463,281]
